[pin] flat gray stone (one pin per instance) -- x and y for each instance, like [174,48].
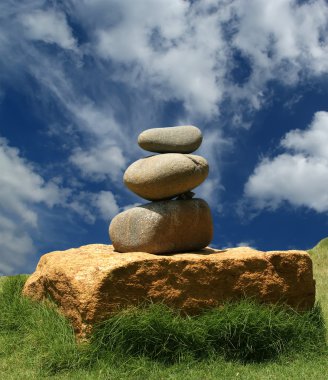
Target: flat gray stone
[181,139]
[165,176]
[166,226]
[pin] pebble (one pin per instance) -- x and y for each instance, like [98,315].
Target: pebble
[181,139]
[165,176]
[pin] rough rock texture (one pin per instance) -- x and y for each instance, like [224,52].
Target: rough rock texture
[181,139]
[165,176]
[91,282]
[165,226]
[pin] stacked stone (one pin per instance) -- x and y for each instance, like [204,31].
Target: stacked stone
[173,221]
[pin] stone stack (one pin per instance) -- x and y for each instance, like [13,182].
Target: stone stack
[173,221]
[91,283]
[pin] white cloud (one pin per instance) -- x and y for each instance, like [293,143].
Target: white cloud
[178,49]
[181,51]
[283,41]
[100,162]
[126,68]
[106,204]
[108,143]
[21,185]
[21,190]
[313,141]
[48,26]
[208,190]
[299,178]
[16,246]
[24,199]
[93,206]
[213,147]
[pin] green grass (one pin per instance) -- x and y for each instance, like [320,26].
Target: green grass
[319,255]
[242,340]
[245,331]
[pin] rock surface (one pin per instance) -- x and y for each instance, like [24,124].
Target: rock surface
[165,226]
[181,139]
[92,282]
[165,176]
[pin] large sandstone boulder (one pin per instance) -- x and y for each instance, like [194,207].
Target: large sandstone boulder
[165,176]
[92,282]
[181,139]
[164,226]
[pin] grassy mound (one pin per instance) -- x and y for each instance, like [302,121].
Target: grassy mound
[244,331]
[321,247]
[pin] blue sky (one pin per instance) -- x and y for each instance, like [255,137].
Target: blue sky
[80,79]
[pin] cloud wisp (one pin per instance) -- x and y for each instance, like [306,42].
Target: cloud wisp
[48,26]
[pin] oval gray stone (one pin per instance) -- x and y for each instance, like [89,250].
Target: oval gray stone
[161,227]
[181,139]
[165,176]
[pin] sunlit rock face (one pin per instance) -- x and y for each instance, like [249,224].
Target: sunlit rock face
[92,282]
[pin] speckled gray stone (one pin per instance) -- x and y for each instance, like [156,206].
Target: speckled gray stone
[166,226]
[181,139]
[165,176]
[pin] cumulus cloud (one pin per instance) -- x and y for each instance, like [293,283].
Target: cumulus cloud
[284,33]
[21,185]
[183,50]
[312,141]
[21,189]
[300,176]
[105,72]
[24,195]
[178,49]
[282,41]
